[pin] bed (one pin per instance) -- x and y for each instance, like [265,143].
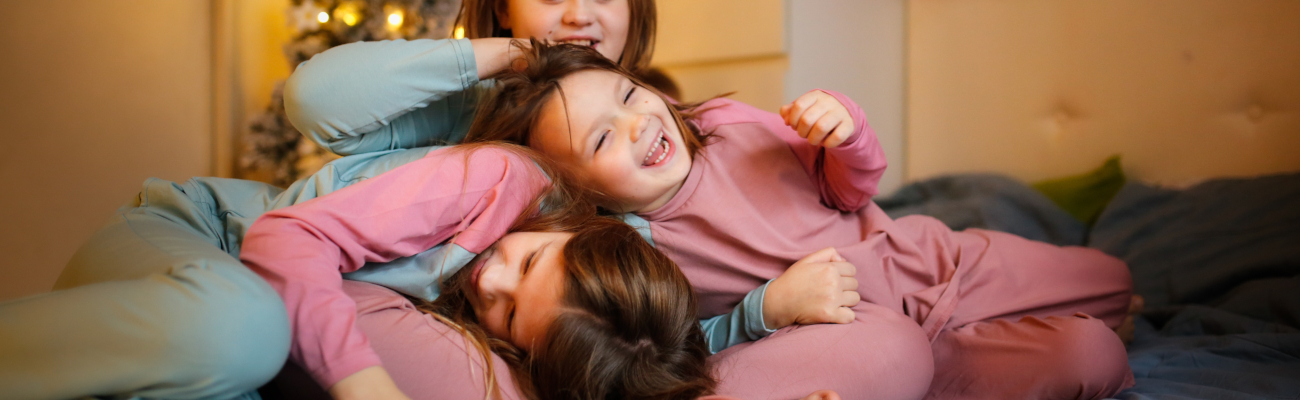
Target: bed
[1218,264]
[1202,101]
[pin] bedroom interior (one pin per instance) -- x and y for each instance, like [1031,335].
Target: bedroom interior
[1164,132]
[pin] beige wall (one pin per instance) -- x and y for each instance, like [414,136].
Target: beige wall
[256,32]
[97,96]
[718,46]
[1184,90]
[771,51]
[855,47]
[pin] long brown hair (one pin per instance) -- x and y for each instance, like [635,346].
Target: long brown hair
[479,18]
[627,327]
[512,111]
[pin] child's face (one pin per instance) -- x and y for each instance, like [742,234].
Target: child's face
[517,284]
[602,24]
[620,136]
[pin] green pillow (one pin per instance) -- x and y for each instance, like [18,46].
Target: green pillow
[1084,196]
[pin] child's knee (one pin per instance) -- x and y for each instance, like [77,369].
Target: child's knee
[902,351]
[1092,361]
[231,320]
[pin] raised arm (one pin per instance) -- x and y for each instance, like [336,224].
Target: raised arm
[847,173]
[371,96]
[301,250]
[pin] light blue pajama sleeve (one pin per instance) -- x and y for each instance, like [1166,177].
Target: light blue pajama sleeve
[372,96]
[744,323]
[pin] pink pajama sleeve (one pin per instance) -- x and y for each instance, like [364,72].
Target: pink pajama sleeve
[301,250]
[846,176]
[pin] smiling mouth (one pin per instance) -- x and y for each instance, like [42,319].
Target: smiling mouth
[659,151]
[581,42]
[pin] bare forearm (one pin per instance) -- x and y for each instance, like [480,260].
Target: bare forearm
[369,383]
[493,55]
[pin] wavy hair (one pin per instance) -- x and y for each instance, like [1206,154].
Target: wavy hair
[627,326]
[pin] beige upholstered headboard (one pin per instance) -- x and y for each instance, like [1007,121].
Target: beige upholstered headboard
[1183,89]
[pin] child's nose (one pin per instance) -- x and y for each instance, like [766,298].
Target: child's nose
[635,125]
[577,13]
[496,283]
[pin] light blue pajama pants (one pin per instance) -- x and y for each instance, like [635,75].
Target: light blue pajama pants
[156,304]
[151,306]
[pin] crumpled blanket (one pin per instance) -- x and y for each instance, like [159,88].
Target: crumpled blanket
[1218,264]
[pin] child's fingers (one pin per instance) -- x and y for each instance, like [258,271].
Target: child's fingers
[850,299]
[843,315]
[838,136]
[845,268]
[798,107]
[848,284]
[824,255]
[822,129]
[808,120]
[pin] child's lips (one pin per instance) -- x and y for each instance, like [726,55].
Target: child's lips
[659,151]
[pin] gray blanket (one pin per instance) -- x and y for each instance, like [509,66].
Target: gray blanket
[1218,263]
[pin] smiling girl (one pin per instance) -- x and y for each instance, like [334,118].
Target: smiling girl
[739,198]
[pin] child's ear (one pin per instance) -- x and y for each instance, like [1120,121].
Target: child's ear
[502,11]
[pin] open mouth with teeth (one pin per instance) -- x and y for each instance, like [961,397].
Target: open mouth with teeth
[581,42]
[659,151]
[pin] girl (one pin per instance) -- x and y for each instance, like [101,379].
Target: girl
[1006,317]
[156,306]
[450,75]
[564,292]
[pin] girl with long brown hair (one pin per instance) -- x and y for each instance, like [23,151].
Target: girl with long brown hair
[579,306]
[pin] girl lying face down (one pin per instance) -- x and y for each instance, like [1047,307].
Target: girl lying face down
[587,309]
[577,305]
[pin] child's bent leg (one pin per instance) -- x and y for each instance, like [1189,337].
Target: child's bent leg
[1016,277]
[180,319]
[880,355]
[426,358]
[1051,358]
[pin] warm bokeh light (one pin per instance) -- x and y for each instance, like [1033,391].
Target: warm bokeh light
[323,17]
[395,19]
[349,13]
[459,33]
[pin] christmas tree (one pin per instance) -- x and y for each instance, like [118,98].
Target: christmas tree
[272,143]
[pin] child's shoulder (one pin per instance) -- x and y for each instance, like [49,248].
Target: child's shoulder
[723,111]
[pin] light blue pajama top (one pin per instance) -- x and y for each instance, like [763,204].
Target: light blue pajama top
[368,97]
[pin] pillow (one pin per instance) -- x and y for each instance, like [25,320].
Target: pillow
[1084,196]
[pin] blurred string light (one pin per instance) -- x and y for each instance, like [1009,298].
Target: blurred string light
[349,13]
[273,146]
[459,33]
[394,17]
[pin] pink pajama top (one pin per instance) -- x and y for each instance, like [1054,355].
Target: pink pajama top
[446,196]
[759,198]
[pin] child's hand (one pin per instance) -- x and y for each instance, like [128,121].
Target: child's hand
[820,118]
[818,289]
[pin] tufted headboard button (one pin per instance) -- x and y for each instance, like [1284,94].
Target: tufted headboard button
[1255,112]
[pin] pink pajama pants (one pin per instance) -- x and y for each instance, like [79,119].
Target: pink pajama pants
[1027,320]
[428,360]
[1021,319]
